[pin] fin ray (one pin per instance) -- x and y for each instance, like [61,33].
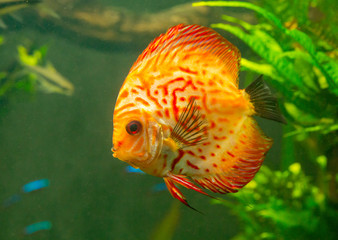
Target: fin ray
[182,180]
[190,128]
[264,102]
[188,39]
[248,156]
[176,193]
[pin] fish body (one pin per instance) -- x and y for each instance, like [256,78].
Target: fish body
[180,114]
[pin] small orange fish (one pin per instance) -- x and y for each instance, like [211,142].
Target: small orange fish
[180,115]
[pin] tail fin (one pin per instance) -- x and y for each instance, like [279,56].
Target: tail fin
[264,102]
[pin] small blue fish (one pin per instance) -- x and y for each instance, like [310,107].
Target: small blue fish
[27,188]
[35,185]
[38,226]
[156,188]
[130,169]
[159,187]
[11,200]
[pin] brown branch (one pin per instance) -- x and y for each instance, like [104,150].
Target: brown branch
[116,27]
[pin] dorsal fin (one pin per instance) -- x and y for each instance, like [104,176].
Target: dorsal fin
[193,39]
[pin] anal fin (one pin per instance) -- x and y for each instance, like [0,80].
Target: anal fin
[176,193]
[170,181]
[185,182]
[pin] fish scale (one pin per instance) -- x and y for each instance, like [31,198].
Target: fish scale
[189,120]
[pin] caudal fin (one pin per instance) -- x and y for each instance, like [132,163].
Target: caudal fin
[264,102]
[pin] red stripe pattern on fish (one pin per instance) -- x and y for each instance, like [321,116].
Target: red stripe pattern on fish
[180,115]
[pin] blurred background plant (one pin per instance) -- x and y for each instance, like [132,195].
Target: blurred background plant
[283,205]
[30,72]
[295,48]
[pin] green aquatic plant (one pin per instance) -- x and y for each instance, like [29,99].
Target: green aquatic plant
[283,205]
[295,49]
[313,17]
[15,80]
[293,62]
[31,72]
[47,77]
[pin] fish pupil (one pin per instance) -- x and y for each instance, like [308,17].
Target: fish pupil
[134,127]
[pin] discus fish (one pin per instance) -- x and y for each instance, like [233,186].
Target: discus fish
[180,115]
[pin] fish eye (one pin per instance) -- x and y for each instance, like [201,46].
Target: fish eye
[134,127]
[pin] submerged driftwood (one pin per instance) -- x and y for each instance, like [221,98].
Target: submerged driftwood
[117,27]
[112,28]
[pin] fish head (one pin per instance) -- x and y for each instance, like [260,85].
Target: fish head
[137,139]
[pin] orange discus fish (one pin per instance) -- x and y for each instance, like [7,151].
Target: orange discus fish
[180,115]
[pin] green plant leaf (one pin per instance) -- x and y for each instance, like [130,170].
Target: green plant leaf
[330,66]
[268,49]
[325,129]
[265,69]
[29,59]
[246,5]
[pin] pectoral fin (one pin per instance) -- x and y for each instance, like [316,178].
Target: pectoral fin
[191,127]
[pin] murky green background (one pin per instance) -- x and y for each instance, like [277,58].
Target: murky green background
[68,141]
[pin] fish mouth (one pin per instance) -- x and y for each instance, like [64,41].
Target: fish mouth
[114,152]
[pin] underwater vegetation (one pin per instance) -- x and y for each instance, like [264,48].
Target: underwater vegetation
[31,72]
[283,205]
[295,49]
